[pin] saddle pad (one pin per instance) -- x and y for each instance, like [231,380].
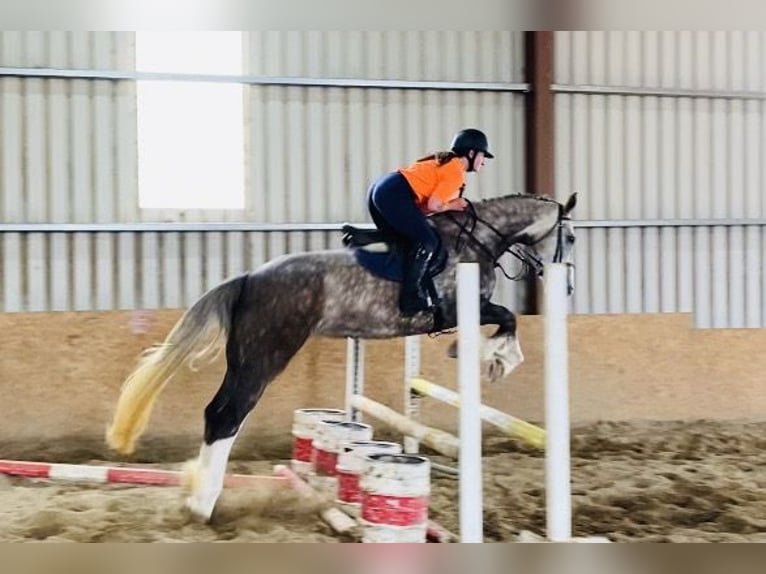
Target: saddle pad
[386,265]
[389,265]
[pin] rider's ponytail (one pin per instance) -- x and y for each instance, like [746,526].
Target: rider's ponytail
[441,157]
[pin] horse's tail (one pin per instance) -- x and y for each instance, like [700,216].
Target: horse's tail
[196,339]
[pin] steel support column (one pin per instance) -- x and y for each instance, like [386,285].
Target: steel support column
[540,176]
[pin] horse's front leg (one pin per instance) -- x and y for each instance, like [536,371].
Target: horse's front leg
[501,351]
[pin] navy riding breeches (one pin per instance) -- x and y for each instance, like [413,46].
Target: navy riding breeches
[392,206]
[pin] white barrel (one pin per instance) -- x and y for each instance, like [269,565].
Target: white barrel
[351,461]
[395,494]
[328,442]
[305,423]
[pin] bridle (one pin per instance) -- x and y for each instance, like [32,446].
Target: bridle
[524,252]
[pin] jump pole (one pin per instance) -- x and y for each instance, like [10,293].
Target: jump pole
[411,401]
[439,440]
[469,372]
[125,475]
[557,459]
[510,425]
[354,375]
[408,424]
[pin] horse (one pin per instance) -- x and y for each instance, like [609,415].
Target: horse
[263,318]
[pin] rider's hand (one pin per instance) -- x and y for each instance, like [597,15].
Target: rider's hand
[457,204]
[435,205]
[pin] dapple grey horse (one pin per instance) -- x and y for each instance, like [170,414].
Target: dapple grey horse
[263,318]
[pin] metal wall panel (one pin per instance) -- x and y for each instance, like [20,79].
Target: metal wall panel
[68,155]
[64,160]
[694,149]
[315,150]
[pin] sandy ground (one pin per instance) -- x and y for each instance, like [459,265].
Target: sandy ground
[654,482]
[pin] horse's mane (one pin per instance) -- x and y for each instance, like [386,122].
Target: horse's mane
[523,196]
[482,204]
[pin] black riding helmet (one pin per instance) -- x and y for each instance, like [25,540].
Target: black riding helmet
[470,139]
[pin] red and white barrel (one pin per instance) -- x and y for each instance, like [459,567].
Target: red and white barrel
[327,445]
[351,461]
[395,494]
[305,423]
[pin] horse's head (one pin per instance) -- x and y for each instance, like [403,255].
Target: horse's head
[535,229]
[551,244]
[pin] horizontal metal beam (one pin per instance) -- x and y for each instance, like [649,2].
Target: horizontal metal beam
[287,81]
[333,227]
[636,223]
[170,227]
[659,92]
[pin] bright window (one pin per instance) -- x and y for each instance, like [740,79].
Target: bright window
[190,134]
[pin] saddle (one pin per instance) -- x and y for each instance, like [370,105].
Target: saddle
[382,254]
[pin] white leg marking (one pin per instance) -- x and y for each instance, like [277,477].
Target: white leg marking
[210,469]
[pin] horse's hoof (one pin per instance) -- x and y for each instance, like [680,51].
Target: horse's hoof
[498,369]
[201,510]
[452,350]
[495,371]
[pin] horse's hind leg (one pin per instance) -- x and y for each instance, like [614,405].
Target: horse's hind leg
[224,416]
[265,333]
[253,361]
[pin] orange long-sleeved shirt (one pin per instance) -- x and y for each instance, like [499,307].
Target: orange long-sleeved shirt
[427,179]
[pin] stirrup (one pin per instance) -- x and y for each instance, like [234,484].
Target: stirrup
[435,311]
[415,306]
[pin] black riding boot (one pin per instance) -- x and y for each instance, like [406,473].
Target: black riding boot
[413,296]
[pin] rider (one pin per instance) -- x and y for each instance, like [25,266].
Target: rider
[400,201]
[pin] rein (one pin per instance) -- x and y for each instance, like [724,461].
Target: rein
[530,261]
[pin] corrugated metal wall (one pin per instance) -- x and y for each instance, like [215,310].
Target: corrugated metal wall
[69,155]
[327,144]
[683,137]
[66,155]
[688,142]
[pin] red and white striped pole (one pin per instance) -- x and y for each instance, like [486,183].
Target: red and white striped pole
[125,475]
